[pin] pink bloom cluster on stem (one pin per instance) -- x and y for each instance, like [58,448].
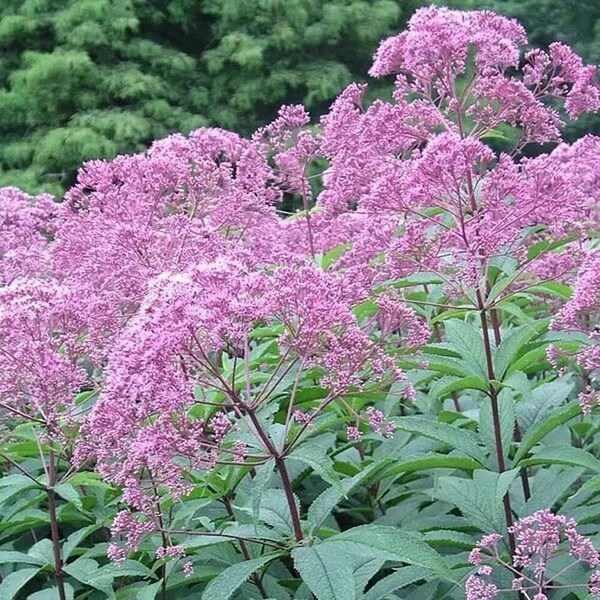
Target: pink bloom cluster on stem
[541,537]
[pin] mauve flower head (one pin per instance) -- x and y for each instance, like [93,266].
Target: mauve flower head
[26,227]
[539,538]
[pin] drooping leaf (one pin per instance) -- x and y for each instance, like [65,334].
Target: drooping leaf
[228,581]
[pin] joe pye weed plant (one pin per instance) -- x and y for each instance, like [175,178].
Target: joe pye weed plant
[388,394]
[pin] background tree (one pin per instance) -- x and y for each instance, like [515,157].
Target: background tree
[81,79]
[92,78]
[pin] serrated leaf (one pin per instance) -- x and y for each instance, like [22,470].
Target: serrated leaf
[391,543]
[43,551]
[12,556]
[76,538]
[449,435]
[479,499]
[53,594]
[275,510]
[513,343]
[433,461]
[563,455]
[326,572]
[149,592]
[550,423]
[14,581]
[467,341]
[449,538]
[540,402]
[227,582]
[259,485]
[548,485]
[400,578]
[316,458]
[324,504]
[451,383]
[67,492]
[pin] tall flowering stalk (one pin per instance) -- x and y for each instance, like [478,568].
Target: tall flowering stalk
[168,281]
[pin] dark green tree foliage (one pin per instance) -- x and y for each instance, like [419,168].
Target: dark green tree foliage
[81,79]
[274,51]
[86,78]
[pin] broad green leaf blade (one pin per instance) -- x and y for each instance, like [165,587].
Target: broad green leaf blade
[479,499]
[541,430]
[149,592]
[260,483]
[52,593]
[433,461]
[449,435]
[324,504]
[76,538]
[513,343]
[401,578]
[316,458]
[563,455]
[391,543]
[444,386]
[13,582]
[229,581]
[12,556]
[43,551]
[468,342]
[326,572]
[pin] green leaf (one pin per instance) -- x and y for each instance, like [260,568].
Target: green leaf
[53,594]
[513,343]
[391,543]
[316,458]
[13,582]
[432,461]
[397,580]
[11,556]
[227,583]
[259,485]
[325,571]
[479,499]
[275,511]
[324,504]
[43,551]
[539,403]
[69,493]
[76,538]
[563,455]
[467,341]
[449,435]
[149,591]
[506,410]
[550,423]
[548,485]
[451,383]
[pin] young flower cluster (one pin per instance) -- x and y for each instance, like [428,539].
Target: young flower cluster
[541,537]
[26,226]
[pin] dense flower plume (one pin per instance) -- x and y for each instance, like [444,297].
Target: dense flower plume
[540,540]
[151,280]
[26,225]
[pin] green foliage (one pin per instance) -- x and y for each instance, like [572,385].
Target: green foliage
[82,79]
[87,79]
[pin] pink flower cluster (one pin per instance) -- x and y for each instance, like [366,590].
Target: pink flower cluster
[150,280]
[540,537]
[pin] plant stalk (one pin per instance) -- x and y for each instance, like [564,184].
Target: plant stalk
[54,533]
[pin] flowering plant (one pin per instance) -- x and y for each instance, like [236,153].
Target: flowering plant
[336,404]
